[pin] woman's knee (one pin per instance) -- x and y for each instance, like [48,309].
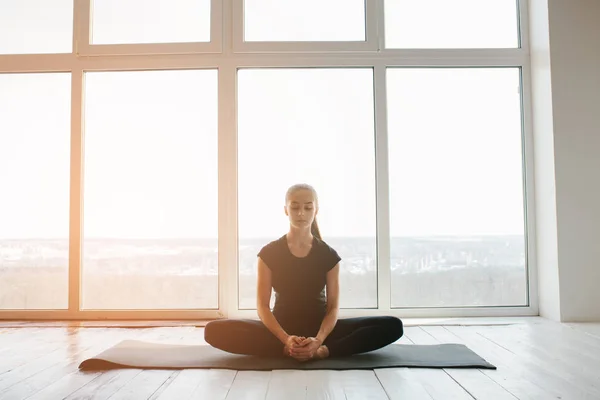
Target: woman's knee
[213,331]
[394,326]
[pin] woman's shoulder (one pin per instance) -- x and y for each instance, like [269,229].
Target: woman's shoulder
[322,243]
[327,249]
[272,246]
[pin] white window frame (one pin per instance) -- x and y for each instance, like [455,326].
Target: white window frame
[235,55]
[84,47]
[369,44]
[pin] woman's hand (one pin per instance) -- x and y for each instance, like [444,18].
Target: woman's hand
[306,349]
[291,343]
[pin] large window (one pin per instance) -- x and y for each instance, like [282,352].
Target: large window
[456,187]
[308,20]
[150,222]
[146,147]
[34,190]
[36,26]
[314,126]
[451,24]
[150,21]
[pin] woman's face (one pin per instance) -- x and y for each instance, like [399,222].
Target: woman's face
[301,208]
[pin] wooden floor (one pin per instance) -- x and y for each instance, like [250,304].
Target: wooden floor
[536,359]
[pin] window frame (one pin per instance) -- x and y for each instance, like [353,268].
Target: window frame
[227,53]
[84,47]
[307,64]
[522,33]
[370,43]
[73,34]
[525,168]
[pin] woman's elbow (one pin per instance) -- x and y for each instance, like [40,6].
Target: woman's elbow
[333,307]
[262,309]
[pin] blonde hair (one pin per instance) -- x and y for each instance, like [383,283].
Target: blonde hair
[314,227]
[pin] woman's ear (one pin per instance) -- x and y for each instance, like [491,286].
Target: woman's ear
[285,210]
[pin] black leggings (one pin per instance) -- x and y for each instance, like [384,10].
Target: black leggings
[349,336]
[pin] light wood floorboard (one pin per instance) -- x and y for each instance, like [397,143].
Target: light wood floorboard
[536,359]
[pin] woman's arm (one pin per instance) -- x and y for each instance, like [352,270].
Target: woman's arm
[333,303]
[263,298]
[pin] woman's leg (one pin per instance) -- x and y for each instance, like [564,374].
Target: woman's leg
[242,336]
[363,334]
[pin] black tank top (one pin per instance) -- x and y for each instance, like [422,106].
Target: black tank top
[299,282]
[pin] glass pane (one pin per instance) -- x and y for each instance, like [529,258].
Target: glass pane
[36,26]
[451,24]
[150,21]
[308,20]
[456,187]
[35,118]
[150,226]
[314,126]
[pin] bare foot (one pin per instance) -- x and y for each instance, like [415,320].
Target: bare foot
[321,353]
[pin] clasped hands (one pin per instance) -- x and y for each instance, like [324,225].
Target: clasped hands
[301,348]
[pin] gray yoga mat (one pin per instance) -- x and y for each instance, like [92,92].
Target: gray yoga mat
[138,354]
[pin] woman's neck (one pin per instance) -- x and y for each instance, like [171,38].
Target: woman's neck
[303,236]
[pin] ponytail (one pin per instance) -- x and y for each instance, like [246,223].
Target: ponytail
[314,229]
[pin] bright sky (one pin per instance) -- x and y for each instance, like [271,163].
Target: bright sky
[151,137]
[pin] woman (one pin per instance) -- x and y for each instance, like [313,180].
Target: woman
[304,323]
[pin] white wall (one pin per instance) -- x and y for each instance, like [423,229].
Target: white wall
[574,119]
[545,190]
